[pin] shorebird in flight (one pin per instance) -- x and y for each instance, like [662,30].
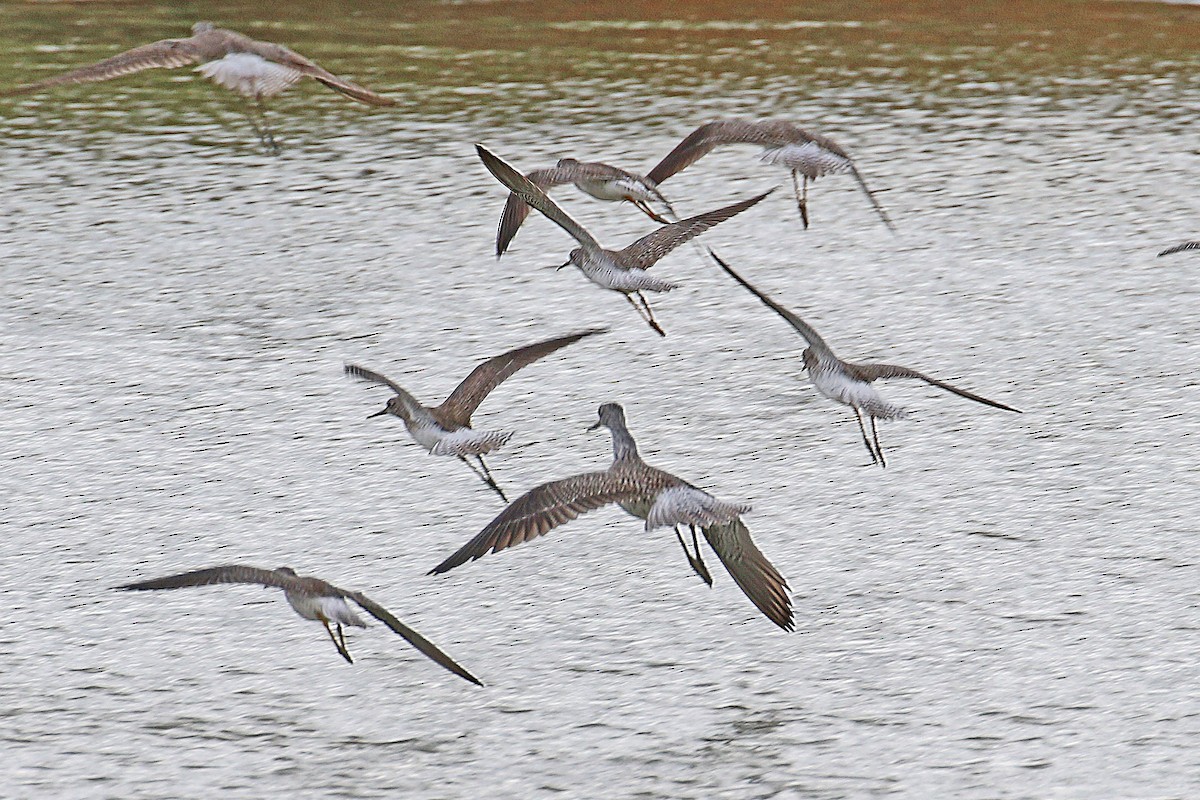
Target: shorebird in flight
[311,598]
[599,180]
[445,430]
[1179,248]
[658,497]
[848,383]
[804,154]
[625,271]
[255,70]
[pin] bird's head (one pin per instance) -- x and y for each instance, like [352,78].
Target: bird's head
[810,358]
[568,162]
[610,414]
[287,571]
[202,27]
[578,258]
[393,406]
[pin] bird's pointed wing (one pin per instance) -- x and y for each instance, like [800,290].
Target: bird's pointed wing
[428,648]
[306,66]
[162,54]
[1179,248]
[646,251]
[701,141]
[871,196]
[803,328]
[352,90]
[516,209]
[873,372]
[545,507]
[751,570]
[229,573]
[411,404]
[529,193]
[467,396]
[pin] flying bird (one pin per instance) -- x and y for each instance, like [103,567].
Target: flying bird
[658,497]
[625,271]
[804,154]
[445,430]
[601,181]
[848,383]
[253,69]
[311,598]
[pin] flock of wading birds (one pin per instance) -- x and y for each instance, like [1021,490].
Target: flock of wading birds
[257,70]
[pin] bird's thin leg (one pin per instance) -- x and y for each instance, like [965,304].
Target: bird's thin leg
[650,314]
[645,208]
[866,441]
[269,141]
[341,636]
[341,648]
[490,480]
[699,566]
[878,448]
[696,564]
[801,197]
[486,478]
[643,314]
[258,131]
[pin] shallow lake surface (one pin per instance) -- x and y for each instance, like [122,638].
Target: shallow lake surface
[1009,610]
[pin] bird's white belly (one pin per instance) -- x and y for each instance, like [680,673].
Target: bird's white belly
[838,386]
[249,75]
[809,159]
[426,433]
[462,442]
[333,609]
[619,189]
[469,442]
[687,505]
[602,271]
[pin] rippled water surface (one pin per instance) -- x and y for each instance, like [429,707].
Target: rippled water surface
[1009,610]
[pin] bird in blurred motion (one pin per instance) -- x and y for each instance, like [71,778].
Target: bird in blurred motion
[253,69]
[599,180]
[847,383]
[445,430]
[311,598]
[658,497]
[804,154]
[624,271]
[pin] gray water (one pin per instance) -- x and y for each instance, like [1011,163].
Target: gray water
[1009,610]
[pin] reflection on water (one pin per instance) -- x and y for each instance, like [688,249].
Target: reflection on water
[1007,611]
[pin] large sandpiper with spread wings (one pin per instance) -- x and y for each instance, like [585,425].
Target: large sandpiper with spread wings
[253,69]
[311,598]
[599,180]
[806,155]
[445,430]
[625,271]
[658,497]
[848,383]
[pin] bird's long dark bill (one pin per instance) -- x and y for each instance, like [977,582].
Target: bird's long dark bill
[377,414]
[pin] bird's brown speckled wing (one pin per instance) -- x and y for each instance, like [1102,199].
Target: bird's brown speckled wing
[874,372]
[545,507]
[648,250]
[426,647]
[751,570]
[164,54]
[467,396]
